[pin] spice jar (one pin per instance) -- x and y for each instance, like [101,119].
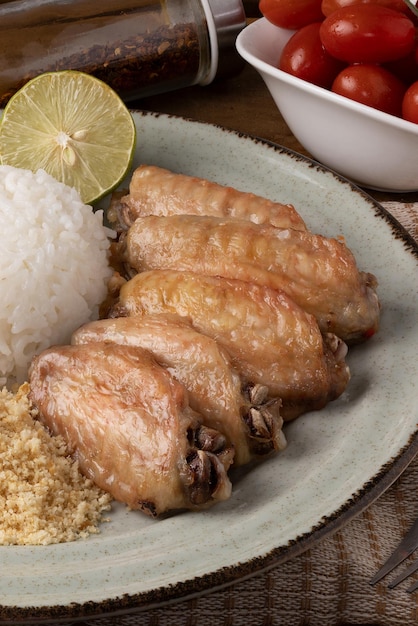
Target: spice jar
[138,47]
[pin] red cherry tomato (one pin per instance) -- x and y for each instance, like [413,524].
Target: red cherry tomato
[329,6]
[367,33]
[372,85]
[304,56]
[292,14]
[410,104]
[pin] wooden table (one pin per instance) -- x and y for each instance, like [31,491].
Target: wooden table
[328,584]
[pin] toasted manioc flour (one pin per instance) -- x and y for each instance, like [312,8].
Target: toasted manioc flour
[44,498]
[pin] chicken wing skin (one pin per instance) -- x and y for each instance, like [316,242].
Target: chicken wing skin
[319,273]
[128,422]
[157,191]
[271,340]
[205,369]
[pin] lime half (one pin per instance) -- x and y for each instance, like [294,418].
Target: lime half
[73,126]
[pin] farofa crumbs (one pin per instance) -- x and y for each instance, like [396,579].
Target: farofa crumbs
[44,498]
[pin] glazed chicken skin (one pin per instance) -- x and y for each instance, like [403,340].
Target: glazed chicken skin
[250,421]
[319,273]
[129,425]
[157,191]
[271,341]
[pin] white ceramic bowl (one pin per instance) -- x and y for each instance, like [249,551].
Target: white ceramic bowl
[371,148]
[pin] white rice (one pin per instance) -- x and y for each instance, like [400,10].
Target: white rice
[53,266]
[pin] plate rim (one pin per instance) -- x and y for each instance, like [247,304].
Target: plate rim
[226,576]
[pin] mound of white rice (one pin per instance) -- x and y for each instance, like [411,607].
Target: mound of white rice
[53,266]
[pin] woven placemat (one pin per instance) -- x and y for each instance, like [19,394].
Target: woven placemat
[327,585]
[406,213]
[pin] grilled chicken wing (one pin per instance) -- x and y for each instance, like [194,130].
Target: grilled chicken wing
[129,424]
[319,273]
[157,191]
[271,340]
[204,368]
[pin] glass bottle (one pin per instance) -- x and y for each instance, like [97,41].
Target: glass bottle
[138,47]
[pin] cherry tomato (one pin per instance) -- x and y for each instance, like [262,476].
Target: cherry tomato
[329,6]
[372,85]
[304,56]
[410,104]
[292,14]
[367,33]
